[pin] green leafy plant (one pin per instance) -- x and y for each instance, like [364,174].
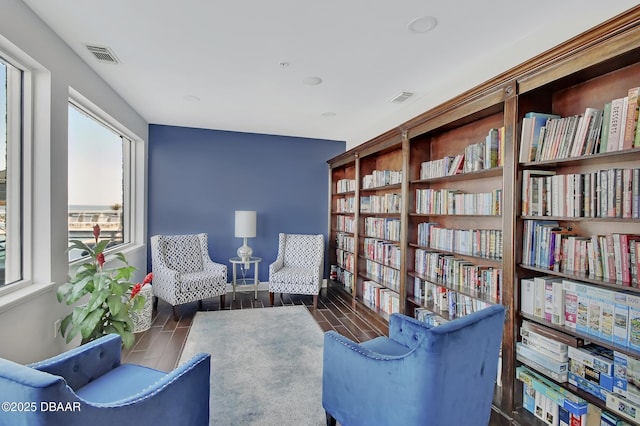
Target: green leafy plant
[111,297]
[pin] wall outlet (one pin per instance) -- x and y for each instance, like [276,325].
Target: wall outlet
[56,327]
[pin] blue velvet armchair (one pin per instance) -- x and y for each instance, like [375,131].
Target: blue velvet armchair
[89,386]
[419,375]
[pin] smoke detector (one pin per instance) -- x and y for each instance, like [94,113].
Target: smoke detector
[103,54]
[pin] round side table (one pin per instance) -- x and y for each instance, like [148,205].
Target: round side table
[245,263]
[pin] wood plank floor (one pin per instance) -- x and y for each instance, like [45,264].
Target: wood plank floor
[160,347]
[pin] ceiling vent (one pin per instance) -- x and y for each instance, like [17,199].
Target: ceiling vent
[103,54]
[403,96]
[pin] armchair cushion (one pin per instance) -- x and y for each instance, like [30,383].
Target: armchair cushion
[119,383]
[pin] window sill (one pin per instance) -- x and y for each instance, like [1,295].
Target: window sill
[19,293]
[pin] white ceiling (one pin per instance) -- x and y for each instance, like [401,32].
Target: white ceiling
[228,54]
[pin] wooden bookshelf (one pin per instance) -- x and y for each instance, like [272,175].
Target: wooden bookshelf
[586,71]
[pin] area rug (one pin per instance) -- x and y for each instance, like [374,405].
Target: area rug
[266,365]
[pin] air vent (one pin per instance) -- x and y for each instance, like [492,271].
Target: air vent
[103,54]
[403,96]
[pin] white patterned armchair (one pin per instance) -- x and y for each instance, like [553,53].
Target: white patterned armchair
[183,271]
[298,268]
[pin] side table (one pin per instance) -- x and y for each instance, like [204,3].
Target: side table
[245,263]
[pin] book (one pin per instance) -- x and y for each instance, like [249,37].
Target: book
[548,347]
[555,335]
[527,296]
[620,319]
[620,405]
[631,120]
[604,131]
[616,123]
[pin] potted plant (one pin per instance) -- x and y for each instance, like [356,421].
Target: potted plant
[111,297]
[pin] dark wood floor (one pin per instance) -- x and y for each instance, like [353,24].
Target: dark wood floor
[160,347]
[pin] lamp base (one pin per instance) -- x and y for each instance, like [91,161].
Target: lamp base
[244,252]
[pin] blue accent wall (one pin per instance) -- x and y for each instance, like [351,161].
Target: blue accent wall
[198,178]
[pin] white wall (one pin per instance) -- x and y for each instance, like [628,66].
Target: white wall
[27,316]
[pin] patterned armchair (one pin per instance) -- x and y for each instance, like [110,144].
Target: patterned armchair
[183,271]
[89,385]
[298,268]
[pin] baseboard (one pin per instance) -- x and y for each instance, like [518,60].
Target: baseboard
[262,286]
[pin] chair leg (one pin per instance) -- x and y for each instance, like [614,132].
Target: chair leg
[176,317]
[155,302]
[315,301]
[222,301]
[271,298]
[330,420]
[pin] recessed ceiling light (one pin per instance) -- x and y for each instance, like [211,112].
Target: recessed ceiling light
[422,25]
[329,114]
[191,98]
[312,81]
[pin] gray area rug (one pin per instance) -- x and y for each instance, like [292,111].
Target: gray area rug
[266,365]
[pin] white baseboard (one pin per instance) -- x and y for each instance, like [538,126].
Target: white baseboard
[262,286]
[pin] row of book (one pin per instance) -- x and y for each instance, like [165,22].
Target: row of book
[387,203]
[345,260]
[345,185]
[379,297]
[345,224]
[346,277]
[555,405]
[446,302]
[379,178]
[446,269]
[609,375]
[345,242]
[383,252]
[381,227]
[609,315]
[613,257]
[474,242]
[483,155]
[456,202]
[385,275]
[346,205]
[614,127]
[611,193]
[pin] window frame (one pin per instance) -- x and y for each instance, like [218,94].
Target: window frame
[129,170]
[15,172]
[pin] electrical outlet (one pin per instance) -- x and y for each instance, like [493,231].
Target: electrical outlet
[56,327]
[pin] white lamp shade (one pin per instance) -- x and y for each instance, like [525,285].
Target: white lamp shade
[245,224]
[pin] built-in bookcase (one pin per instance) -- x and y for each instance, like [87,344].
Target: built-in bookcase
[459,221]
[575,209]
[343,223]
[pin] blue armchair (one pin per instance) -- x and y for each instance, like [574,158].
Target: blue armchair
[419,375]
[89,386]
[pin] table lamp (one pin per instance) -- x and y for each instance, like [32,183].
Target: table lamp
[245,228]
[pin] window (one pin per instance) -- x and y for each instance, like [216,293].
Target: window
[98,180]
[10,173]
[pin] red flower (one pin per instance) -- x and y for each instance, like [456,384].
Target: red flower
[96,231]
[135,290]
[148,278]
[100,259]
